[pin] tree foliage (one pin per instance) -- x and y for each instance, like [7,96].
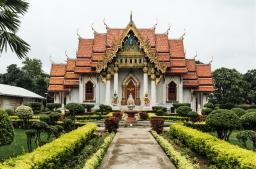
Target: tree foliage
[11,11]
[6,129]
[183,110]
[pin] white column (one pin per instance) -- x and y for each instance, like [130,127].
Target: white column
[145,83]
[107,101]
[116,82]
[153,92]
[62,99]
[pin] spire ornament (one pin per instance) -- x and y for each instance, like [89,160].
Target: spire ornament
[195,55]
[182,37]
[78,34]
[107,27]
[51,59]
[131,16]
[156,23]
[211,60]
[93,29]
[168,29]
[67,55]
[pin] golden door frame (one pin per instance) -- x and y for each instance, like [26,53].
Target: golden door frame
[124,88]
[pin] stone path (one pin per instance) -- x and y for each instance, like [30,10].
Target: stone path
[135,148]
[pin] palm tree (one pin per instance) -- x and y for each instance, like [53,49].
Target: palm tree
[10,12]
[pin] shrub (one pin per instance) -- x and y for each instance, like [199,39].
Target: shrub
[68,124]
[209,105]
[248,121]
[10,112]
[53,106]
[159,110]
[88,107]
[143,115]
[118,115]
[54,116]
[6,129]
[238,111]
[224,122]
[206,111]
[39,126]
[111,124]
[183,110]
[193,116]
[75,108]
[45,118]
[35,106]
[24,113]
[157,125]
[245,135]
[177,105]
[104,109]
[199,126]
[228,106]
[250,110]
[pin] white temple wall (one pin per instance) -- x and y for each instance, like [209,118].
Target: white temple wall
[57,97]
[159,93]
[101,92]
[204,98]
[74,96]
[186,95]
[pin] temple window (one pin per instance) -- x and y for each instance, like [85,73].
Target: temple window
[171,91]
[89,89]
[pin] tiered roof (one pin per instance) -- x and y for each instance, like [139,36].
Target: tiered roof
[170,55]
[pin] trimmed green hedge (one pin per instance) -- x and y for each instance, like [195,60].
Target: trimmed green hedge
[222,153]
[174,118]
[96,158]
[175,156]
[52,155]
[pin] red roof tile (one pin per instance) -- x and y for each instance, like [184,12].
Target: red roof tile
[57,88]
[162,43]
[100,41]
[71,75]
[58,70]
[113,34]
[71,83]
[56,80]
[193,83]
[176,49]
[177,70]
[84,70]
[206,89]
[205,81]
[203,70]
[97,56]
[178,63]
[94,64]
[80,63]
[163,57]
[84,48]
[148,34]
[190,76]
[71,65]
[191,65]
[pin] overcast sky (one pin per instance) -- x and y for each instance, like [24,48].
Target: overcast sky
[224,29]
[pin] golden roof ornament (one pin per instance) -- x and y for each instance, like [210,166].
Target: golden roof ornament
[78,34]
[93,29]
[195,55]
[182,37]
[156,23]
[131,16]
[166,32]
[51,59]
[67,55]
[107,27]
[211,60]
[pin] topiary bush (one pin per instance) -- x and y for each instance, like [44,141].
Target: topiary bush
[53,106]
[193,116]
[75,108]
[159,110]
[118,115]
[183,110]
[143,115]
[54,116]
[68,124]
[35,106]
[177,105]
[39,127]
[238,111]
[111,124]
[88,107]
[228,106]
[24,113]
[104,109]
[224,122]
[157,125]
[248,121]
[244,136]
[10,112]
[6,129]
[250,110]
[209,105]
[206,111]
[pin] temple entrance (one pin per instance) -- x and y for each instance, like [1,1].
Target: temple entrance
[130,85]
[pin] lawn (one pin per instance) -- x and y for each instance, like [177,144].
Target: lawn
[18,146]
[234,140]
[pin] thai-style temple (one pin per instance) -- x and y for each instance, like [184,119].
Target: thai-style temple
[131,61]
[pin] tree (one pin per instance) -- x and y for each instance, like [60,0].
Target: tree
[11,11]
[24,113]
[250,77]
[32,67]
[6,129]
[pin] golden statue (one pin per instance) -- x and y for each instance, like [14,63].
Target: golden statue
[146,99]
[115,99]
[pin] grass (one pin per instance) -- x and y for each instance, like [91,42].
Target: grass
[233,140]
[18,146]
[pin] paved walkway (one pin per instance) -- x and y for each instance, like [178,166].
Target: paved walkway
[135,148]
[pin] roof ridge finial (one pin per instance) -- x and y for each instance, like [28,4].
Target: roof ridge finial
[107,27]
[93,29]
[51,59]
[131,16]
[195,55]
[166,32]
[182,37]
[78,34]
[211,60]
[67,55]
[156,23]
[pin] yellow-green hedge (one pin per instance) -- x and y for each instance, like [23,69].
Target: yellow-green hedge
[150,115]
[222,153]
[51,155]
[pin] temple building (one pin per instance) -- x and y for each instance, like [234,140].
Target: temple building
[131,61]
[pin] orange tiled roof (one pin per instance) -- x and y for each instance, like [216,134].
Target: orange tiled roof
[94,64]
[84,70]
[164,57]
[83,62]
[176,49]
[71,65]
[178,63]
[177,70]
[97,56]
[113,34]
[84,48]
[203,70]
[190,75]
[191,65]
[71,83]
[54,81]
[58,70]
[57,88]
[206,89]
[190,83]
[205,81]
[148,34]
[162,43]
[100,41]
[71,75]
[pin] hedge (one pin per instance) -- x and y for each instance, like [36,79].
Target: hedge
[96,158]
[52,155]
[174,118]
[150,115]
[175,156]
[222,153]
